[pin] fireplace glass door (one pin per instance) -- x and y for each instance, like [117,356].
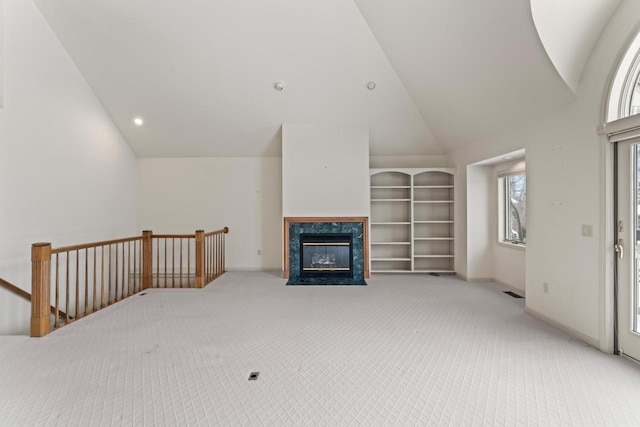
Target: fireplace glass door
[326,255]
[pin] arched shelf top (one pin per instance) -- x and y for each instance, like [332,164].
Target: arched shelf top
[390,179]
[433,179]
[412,171]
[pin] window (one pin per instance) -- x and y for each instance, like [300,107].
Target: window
[635,96]
[624,95]
[515,205]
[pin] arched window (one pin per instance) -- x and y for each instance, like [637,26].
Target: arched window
[624,99]
[634,107]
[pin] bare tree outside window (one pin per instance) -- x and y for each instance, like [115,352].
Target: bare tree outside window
[516,208]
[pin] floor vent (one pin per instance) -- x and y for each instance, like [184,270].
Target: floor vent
[513,294]
[253,376]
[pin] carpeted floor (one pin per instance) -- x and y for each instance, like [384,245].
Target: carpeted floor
[405,350]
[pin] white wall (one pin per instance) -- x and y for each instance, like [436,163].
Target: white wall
[479,223]
[66,174]
[183,195]
[509,266]
[563,192]
[488,259]
[565,188]
[325,170]
[408,162]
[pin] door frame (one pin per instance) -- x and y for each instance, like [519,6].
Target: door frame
[627,334]
[611,133]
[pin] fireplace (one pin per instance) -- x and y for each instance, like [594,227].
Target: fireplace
[326,255]
[326,251]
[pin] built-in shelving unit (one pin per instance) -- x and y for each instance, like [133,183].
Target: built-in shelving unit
[412,220]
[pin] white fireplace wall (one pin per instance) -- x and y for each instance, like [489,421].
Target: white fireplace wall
[325,170]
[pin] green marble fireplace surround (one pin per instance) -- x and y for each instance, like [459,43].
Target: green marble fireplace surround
[357,228]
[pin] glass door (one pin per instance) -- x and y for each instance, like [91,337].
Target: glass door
[627,250]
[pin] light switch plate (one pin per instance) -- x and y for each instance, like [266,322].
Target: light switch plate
[587,230]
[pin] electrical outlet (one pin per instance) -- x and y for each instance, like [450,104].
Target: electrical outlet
[545,287]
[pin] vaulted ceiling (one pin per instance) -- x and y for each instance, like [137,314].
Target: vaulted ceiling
[201,73]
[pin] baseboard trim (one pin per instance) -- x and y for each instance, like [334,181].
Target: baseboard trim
[254,269]
[480,279]
[473,279]
[630,359]
[567,329]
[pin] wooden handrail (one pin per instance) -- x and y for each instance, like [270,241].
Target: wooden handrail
[16,290]
[24,294]
[174,236]
[222,230]
[95,244]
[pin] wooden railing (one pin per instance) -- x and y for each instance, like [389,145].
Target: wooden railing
[214,243]
[16,290]
[174,260]
[86,278]
[24,294]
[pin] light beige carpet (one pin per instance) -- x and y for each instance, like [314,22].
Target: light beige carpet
[405,350]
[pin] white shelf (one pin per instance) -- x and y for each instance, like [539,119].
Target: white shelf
[390,243]
[398,270]
[433,238]
[433,256]
[434,271]
[433,201]
[430,192]
[391,223]
[415,271]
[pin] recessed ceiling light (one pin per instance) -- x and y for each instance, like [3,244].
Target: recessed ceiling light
[371,85]
[138,121]
[278,86]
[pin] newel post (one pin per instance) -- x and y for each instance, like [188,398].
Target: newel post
[147,259]
[199,259]
[40,289]
[224,249]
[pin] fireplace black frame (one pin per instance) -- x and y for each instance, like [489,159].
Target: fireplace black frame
[326,238]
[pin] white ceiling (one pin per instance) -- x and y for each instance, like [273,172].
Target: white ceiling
[568,30]
[472,67]
[201,73]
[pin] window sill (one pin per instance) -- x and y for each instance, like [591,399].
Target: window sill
[518,246]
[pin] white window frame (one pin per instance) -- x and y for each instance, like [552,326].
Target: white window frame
[503,207]
[621,91]
[630,82]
